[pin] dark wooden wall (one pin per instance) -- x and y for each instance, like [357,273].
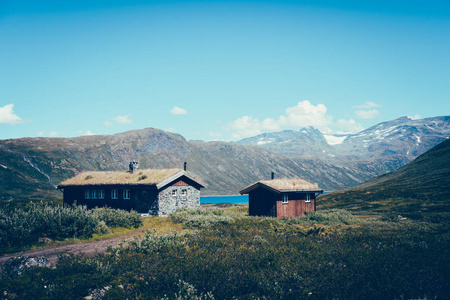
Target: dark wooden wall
[141,199]
[266,203]
[262,203]
[296,206]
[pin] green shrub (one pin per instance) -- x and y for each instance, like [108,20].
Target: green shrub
[154,243]
[118,217]
[201,218]
[24,226]
[326,217]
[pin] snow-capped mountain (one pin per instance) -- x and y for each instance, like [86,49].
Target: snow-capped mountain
[402,136]
[376,150]
[306,142]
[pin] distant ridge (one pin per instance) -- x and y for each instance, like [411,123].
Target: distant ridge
[32,167]
[421,186]
[374,151]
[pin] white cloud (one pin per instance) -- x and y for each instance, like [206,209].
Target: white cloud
[108,123]
[306,114]
[50,133]
[7,115]
[367,114]
[214,134]
[415,117]
[125,119]
[348,126]
[248,126]
[367,110]
[88,132]
[367,105]
[178,111]
[302,115]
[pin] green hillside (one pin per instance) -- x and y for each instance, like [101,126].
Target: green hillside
[421,186]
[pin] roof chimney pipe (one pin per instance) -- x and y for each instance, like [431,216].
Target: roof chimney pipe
[133,165]
[185,163]
[273,175]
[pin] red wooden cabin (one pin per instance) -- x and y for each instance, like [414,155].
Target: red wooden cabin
[282,198]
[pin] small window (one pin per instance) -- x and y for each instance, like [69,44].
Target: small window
[285,198]
[87,194]
[101,194]
[308,198]
[94,194]
[114,194]
[174,193]
[184,192]
[126,194]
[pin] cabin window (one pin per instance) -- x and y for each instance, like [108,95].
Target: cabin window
[308,198]
[126,194]
[114,194]
[174,193]
[94,194]
[101,194]
[183,192]
[285,198]
[87,194]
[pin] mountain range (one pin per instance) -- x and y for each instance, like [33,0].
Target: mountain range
[32,167]
[379,149]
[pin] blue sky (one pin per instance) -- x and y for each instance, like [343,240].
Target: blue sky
[219,70]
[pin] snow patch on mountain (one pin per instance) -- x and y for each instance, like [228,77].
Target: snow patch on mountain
[264,142]
[334,140]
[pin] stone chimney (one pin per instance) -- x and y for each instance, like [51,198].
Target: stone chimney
[132,166]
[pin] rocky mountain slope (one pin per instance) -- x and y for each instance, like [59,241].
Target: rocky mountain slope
[308,142]
[376,150]
[32,167]
[423,185]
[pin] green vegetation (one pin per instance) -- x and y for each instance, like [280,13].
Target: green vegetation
[23,227]
[224,254]
[417,189]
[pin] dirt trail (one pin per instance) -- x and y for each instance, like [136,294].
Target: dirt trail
[52,253]
[89,248]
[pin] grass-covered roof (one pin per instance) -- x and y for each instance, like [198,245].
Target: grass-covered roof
[147,177]
[284,185]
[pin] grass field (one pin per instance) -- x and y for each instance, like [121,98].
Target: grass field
[222,253]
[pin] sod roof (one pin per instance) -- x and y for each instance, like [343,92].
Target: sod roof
[284,185]
[139,177]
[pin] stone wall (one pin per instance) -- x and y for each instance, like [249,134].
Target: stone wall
[172,198]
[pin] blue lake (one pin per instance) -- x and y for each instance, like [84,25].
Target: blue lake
[224,199]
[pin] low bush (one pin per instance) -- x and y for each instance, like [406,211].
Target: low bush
[24,226]
[201,218]
[326,217]
[118,217]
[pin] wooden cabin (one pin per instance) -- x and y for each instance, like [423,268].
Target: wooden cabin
[281,198]
[154,192]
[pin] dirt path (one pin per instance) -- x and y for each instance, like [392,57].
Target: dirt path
[162,224]
[89,248]
[52,253]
